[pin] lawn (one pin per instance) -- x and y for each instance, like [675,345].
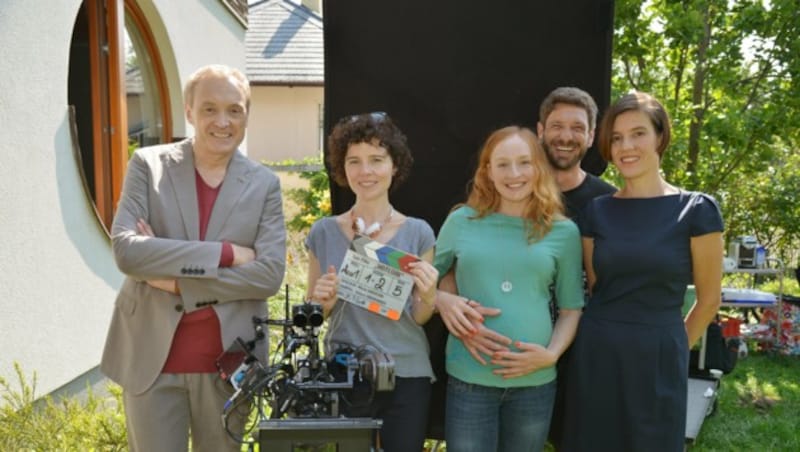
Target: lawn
[759,407]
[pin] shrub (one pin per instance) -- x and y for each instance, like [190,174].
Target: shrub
[63,424]
[790,286]
[314,202]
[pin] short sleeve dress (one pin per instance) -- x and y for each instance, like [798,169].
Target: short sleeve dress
[628,375]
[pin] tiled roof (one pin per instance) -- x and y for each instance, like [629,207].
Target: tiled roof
[284,44]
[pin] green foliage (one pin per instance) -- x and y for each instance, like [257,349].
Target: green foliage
[294,281]
[293,162]
[133,145]
[63,424]
[727,72]
[765,283]
[314,201]
[790,286]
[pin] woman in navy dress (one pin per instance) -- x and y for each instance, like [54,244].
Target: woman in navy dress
[642,246]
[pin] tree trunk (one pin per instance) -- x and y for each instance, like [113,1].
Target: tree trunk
[697,97]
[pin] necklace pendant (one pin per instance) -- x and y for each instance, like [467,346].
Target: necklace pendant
[506,286]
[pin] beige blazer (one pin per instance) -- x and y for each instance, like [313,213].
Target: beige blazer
[160,187]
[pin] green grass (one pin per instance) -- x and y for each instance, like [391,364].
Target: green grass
[759,407]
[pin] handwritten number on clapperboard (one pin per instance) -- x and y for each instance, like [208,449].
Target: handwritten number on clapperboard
[397,290]
[380,283]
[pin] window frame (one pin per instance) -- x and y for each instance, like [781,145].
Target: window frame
[106,22]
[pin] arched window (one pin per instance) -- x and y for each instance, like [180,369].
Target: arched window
[145,83]
[118,92]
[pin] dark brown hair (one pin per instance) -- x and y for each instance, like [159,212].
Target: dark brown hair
[570,96]
[635,101]
[375,128]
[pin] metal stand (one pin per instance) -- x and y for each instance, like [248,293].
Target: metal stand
[701,397]
[777,270]
[701,402]
[319,434]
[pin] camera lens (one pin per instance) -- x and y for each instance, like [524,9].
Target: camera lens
[299,317]
[307,314]
[315,316]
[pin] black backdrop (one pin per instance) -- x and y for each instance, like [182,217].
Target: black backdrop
[451,71]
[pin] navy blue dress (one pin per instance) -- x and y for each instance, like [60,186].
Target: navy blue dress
[629,364]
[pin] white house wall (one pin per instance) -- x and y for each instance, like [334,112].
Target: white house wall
[58,279]
[284,122]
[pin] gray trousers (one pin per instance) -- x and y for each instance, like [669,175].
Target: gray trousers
[161,418]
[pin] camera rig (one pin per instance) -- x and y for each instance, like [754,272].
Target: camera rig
[298,382]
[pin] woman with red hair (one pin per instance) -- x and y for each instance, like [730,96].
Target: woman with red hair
[508,246]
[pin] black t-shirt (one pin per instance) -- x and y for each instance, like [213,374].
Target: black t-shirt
[591,187]
[575,201]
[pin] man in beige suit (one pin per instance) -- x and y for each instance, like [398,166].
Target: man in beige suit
[199,232]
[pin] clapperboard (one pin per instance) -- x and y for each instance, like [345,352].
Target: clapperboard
[376,277]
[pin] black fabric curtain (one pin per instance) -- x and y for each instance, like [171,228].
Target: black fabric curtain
[449,72]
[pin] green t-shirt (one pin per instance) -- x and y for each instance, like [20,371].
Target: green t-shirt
[492,255]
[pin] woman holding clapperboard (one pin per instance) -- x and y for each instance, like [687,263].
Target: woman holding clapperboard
[369,155]
[507,246]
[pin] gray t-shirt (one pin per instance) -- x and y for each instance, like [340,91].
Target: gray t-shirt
[355,326]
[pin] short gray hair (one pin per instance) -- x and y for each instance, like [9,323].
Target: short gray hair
[216,70]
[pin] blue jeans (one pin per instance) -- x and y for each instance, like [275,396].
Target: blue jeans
[485,419]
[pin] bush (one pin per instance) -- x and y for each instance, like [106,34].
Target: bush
[790,286]
[767,283]
[310,203]
[64,424]
[314,202]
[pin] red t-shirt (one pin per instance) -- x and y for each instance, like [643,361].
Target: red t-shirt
[197,342]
